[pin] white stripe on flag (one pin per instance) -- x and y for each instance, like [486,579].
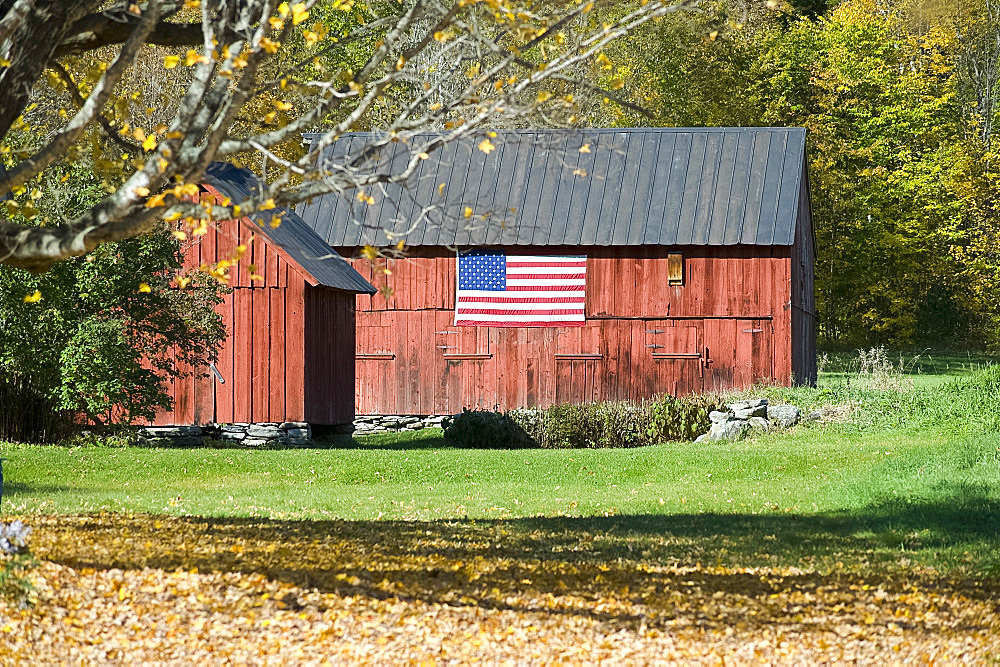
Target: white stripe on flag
[569,317]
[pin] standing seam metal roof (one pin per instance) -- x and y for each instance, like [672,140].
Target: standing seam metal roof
[294,236]
[637,186]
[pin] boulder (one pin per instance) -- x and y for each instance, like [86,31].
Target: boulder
[759,424]
[256,442]
[300,433]
[784,416]
[756,407]
[702,438]
[288,425]
[730,430]
[716,417]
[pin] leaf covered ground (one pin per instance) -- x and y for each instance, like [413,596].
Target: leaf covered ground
[137,587]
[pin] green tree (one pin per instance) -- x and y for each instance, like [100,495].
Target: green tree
[890,169]
[98,336]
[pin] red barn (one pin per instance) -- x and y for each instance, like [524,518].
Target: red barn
[289,355]
[697,248]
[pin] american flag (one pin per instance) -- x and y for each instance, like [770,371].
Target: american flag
[500,290]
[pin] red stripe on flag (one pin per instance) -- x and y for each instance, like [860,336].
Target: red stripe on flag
[545,276]
[518,311]
[547,265]
[522,299]
[544,288]
[476,323]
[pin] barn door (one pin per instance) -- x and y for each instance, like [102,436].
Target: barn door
[464,369]
[672,353]
[579,364]
[740,353]
[375,364]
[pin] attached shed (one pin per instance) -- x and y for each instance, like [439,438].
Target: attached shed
[289,355]
[697,246]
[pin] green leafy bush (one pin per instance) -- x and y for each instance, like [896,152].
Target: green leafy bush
[684,418]
[84,339]
[484,429]
[616,424]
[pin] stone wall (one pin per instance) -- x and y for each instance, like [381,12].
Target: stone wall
[253,436]
[392,423]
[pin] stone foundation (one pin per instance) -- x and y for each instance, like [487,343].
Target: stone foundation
[252,436]
[393,423]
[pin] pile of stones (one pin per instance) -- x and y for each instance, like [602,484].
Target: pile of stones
[746,417]
[255,436]
[393,423]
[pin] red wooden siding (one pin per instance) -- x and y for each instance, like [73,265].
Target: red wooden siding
[289,350]
[728,325]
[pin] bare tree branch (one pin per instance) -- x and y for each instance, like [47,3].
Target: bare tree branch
[454,67]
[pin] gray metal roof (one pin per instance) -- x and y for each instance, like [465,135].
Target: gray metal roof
[652,186]
[319,262]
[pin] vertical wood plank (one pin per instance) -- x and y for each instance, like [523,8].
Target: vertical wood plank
[276,360]
[242,354]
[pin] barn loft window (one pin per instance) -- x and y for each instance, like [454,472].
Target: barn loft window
[675,268]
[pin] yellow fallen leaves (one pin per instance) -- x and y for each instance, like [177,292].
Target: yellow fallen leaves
[141,588]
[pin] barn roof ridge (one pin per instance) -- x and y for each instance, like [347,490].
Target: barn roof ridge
[601,186]
[307,252]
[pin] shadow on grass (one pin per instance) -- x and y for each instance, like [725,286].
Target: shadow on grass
[424,439]
[499,564]
[22,489]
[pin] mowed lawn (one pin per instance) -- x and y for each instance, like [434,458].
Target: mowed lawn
[835,542]
[821,495]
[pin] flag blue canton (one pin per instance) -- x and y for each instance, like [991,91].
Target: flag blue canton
[479,270]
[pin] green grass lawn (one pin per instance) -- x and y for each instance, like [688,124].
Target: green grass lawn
[816,496]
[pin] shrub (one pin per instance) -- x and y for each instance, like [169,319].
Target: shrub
[684,418]
[484,429]
[617,424]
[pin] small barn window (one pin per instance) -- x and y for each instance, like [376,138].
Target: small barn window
[675,268]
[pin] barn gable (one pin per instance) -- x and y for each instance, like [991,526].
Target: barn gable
[289,351]
[608,187]
[307,252]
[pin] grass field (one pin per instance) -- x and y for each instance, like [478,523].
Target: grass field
[875,537]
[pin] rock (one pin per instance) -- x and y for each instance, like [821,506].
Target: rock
[264,431]
[702,438]
[416,426]
[288,425]
[784,416]
[161,431]
[256,442]
[716,417]
[188,441]
[301,433]
[759,424]
[750,411]
[234,436]
[730,430]
[233,428]
[746,405]
[814,416]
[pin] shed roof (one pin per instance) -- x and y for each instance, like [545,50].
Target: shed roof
[321,264]
[638,186]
